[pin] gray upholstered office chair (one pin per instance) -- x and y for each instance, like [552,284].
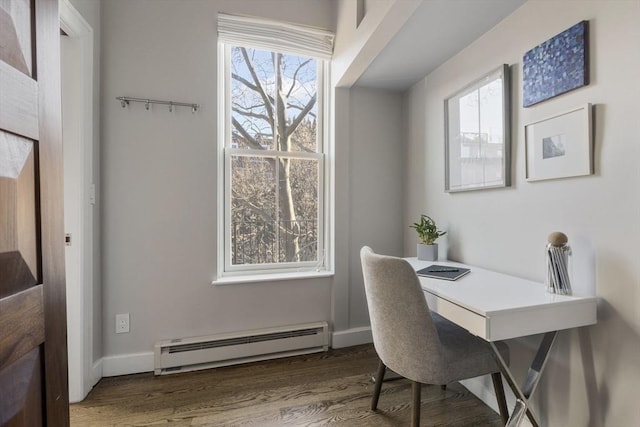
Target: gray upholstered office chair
[415,343]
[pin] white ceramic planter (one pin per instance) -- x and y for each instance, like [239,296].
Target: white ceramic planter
[428,252]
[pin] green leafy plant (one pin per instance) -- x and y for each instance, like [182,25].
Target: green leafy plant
[427,230]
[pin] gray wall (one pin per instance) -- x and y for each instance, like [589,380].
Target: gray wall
[160,182]
[369,196]
[593,374]
[159,179]
[377,193]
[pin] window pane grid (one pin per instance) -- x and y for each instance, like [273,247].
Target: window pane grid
[272,153]
[275,165]
[248,245]
[277,231]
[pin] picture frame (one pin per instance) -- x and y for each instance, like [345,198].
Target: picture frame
[478,134]
[560,146]
[556,66]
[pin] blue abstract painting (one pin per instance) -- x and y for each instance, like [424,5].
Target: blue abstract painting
[556,66]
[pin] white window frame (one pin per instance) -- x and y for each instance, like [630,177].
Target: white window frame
[281,267]
[226,272]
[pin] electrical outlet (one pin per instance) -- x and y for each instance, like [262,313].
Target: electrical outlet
[122,323]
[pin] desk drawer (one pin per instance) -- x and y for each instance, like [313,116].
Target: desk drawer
[473,322]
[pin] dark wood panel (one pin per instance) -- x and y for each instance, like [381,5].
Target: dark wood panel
[50,184]
[323,389]
[8,213]
[21,391]
[18,103]
[18,235]
[15,33]
[22,320]
[15,274]
[26,214]
[30,108]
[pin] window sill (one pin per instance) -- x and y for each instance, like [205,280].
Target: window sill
[275,277]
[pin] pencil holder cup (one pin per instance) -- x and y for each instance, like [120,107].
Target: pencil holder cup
[558,259]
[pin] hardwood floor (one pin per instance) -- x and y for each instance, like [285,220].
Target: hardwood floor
[323,389]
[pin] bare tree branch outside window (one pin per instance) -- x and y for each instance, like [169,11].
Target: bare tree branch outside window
[274,198]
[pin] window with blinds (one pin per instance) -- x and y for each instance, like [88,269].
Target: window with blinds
[272,146]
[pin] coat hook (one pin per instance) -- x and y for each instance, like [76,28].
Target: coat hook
[126,101]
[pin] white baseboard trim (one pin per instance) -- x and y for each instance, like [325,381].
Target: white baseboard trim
[482,388]
[135,363]
[96,372]
[126,364]
[351,337]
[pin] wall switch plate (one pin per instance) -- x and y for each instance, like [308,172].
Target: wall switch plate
[122,323]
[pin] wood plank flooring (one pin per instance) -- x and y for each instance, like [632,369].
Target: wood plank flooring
[323,389]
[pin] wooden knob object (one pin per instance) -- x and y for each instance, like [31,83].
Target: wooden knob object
[557,238]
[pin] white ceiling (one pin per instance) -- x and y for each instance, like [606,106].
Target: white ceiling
[435,32]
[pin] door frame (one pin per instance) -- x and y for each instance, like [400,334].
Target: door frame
[80,296]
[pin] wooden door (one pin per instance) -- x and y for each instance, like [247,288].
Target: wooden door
[33,355]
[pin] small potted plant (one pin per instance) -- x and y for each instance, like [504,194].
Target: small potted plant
[428,233]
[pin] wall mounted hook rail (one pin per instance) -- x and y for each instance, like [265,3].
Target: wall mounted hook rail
[125,100]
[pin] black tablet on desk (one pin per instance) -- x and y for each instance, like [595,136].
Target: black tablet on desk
[443,272]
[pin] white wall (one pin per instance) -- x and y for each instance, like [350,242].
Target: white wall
[159,182]
[356,46]
[593,374]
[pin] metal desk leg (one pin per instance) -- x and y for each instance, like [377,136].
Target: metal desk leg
[524,393]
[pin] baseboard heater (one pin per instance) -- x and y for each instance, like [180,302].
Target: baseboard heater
[190,354]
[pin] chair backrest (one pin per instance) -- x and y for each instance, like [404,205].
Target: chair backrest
[404,334]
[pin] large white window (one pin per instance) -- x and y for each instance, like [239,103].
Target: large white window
[272,148]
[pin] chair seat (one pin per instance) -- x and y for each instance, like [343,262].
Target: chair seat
[416,343]
[467,355]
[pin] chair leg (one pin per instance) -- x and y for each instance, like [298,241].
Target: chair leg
[502,401]
[415,406]
[376,391]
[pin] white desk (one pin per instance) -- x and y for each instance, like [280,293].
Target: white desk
[496,306]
